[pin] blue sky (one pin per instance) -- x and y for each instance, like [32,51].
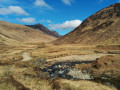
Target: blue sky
[59,15]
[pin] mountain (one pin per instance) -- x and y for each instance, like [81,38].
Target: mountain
[45,30]
[102,27]
[56,34]
[16,32]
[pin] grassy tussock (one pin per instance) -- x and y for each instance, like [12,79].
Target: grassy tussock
[114,52]
[63,84]
[60,51]
[108,47]
[10,59]
[29,79]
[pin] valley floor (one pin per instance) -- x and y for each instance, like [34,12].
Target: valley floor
[18,68]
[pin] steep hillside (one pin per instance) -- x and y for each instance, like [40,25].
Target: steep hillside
[44,29]
[56,34]
[4,42]
[23,33]
[102,27]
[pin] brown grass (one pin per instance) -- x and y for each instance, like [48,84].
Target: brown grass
[102,27]
[23,33]
[52,51]
[107,66]
[24,74]
[28,78]
[63,84]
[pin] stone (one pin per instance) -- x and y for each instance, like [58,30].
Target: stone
[84,71]
[77,74]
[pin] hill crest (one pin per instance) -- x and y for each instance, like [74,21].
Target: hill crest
[44,29]
[102,27]
[23,33]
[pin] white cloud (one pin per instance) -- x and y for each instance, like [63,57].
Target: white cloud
[41,21]
[13,9]
[42,3]
[28,20]
[67,2]
[100,0]
[48,21]
[66,25]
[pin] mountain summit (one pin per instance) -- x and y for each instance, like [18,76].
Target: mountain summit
[44,29]
[102,27]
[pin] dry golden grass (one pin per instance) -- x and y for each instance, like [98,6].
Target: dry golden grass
[63,84]
[108,66]
[7,86]
[108,47]
[11,51]
[24,77]
[23,72]
[28,78]
[10,56]
[23,33]
[11,65]
[102,27]
[51,51]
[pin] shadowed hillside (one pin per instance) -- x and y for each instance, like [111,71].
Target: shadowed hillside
[44,29]
[102,27]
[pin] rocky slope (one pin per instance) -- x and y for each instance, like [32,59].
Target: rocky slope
[102,27]
[22,33]
[44,29]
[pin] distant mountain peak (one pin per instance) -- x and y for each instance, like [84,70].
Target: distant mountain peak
[44,29]
[38,24]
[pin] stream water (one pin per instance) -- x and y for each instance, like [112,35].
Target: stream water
[66,70]
[61,69]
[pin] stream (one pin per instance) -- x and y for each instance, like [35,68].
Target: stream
[63,69]
[66,70]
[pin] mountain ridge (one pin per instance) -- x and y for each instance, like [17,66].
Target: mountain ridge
[44,29]
[100,28]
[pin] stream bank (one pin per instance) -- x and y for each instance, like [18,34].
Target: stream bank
[66,70]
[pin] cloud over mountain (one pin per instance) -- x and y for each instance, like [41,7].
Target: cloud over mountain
[28,20]
[66,25]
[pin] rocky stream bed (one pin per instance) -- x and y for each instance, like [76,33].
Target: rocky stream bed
[66,70]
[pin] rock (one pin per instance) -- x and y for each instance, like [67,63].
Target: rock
[77,74]
[61,72]
[84,71]
[92,77]
[49,70]
[103,77]
[59,66]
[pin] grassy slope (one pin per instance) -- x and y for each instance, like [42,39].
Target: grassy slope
[102,27]
[63,84]
[23,33]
